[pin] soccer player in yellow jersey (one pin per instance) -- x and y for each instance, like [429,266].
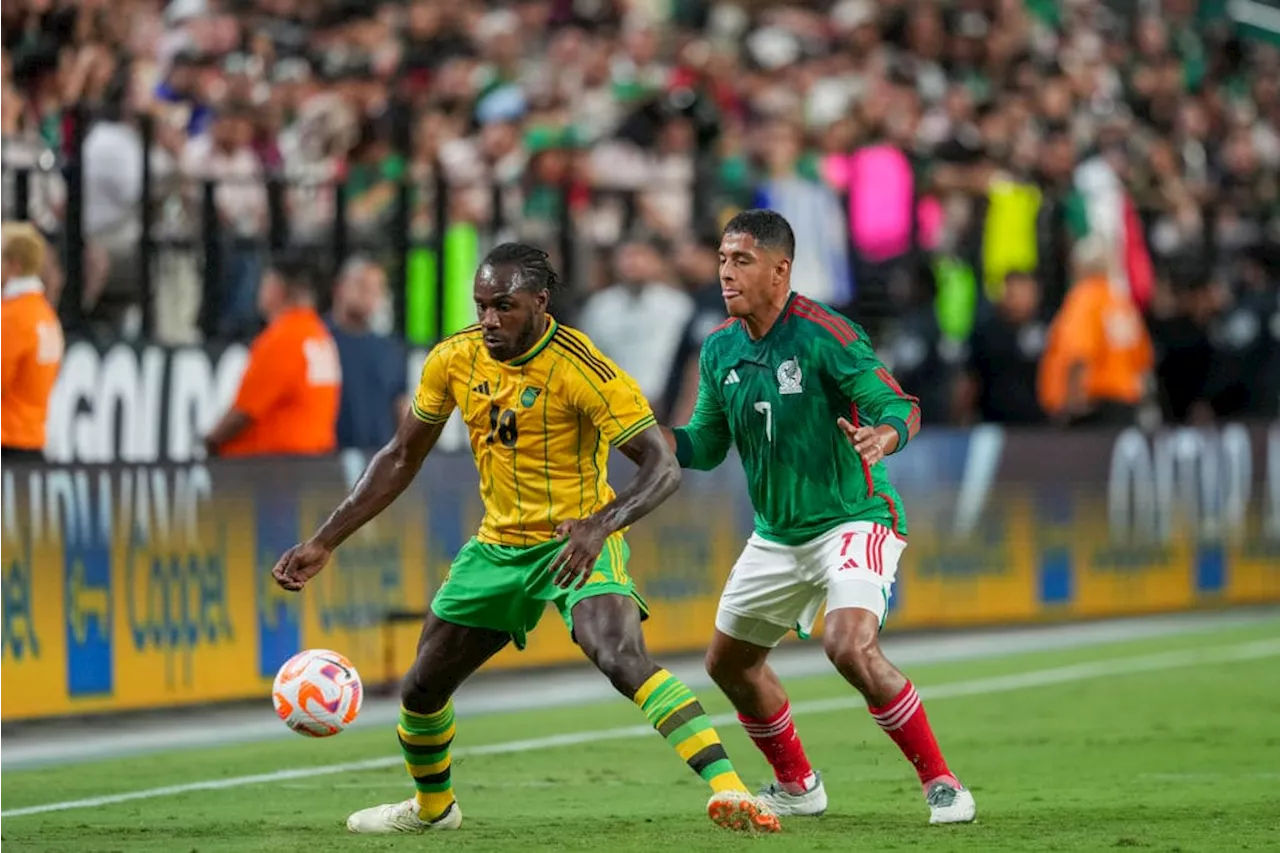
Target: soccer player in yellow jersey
[543,406]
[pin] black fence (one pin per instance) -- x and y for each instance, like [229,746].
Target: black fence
[418,218]
[333,246]
[430,198]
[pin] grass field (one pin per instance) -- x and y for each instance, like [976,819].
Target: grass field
[1170,744]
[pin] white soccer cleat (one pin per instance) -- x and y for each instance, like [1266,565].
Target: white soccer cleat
[811,803]
[401,817]
[950,803]
[741,812]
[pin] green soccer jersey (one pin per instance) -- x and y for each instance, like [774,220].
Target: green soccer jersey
[777,399]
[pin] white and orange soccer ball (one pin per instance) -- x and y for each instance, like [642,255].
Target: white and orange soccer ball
[317,693]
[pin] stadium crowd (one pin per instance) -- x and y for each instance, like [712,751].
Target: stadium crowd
[1044,211]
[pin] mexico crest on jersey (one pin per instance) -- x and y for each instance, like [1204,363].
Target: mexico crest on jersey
[789,377]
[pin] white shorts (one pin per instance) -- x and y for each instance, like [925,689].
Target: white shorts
[776,588]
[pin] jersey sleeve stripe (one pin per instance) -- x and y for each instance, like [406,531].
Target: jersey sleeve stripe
[887,378]
[634,430]
[576,358]
[584,359]
[429,417]
[913,421]
[583,347]
[604,402]
[843,338]
[819,311]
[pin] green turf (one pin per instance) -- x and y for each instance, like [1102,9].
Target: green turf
[1178,759]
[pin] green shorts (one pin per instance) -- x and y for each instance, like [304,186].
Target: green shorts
[505,588]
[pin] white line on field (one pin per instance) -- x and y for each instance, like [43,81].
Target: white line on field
[996,684]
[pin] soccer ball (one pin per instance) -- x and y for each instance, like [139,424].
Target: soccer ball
[317,693]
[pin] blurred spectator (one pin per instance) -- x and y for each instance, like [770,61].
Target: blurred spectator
[288,399]
[374,173]
[226,156]
[114,160]
[1246,340]
[639,321]
[32,344]
[925,359]
[373,364]
[1097,364]
[821,270]
[698,264]
[1004,358]
[180,90]
[1184,352]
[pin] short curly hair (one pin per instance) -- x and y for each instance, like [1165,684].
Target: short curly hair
[770,228]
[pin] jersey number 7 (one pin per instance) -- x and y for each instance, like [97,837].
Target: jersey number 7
[766,409]
[502,425]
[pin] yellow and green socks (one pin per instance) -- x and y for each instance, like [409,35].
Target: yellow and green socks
[424,740]
[675,712]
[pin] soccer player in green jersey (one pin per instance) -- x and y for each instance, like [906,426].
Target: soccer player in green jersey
[801,394]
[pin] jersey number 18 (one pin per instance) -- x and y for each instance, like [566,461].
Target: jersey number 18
[502,425]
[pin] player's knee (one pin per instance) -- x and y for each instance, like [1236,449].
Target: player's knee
[724,671]
[623,662]
[420,693]
[736,668]
[854,653]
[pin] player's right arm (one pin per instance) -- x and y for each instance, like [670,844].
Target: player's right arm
[892,417]
[390,472]
[705,441]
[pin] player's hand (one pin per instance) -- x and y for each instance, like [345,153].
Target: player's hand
[572,567]
[300,564]
[871,443]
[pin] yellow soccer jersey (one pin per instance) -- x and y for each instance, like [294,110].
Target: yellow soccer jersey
[540,426]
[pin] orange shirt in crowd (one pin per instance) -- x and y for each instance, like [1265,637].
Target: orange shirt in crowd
[32,347]
[290,389]
[1102,329]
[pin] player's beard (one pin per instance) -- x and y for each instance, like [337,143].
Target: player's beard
[524,341]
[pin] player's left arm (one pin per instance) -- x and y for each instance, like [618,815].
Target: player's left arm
[883,418]
[619,410]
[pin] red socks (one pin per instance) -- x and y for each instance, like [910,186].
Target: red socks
[904,720]
[776,738]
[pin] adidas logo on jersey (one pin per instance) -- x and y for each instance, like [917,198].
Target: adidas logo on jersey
[848,564]
[732,378]
[482,388]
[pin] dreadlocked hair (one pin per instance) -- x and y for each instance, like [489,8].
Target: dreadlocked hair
[535,272]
